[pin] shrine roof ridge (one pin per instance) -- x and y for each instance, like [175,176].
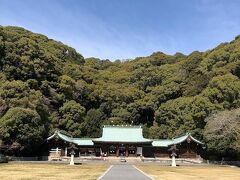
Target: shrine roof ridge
[122,126]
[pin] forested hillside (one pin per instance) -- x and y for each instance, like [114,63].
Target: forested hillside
[46,85]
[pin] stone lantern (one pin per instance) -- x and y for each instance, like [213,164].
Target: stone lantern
[72,149]
[173,150]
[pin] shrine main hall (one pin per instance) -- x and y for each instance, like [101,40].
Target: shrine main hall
[127,141]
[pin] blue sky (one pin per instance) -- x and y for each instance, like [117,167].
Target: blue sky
[122,29]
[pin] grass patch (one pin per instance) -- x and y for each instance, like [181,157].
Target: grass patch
[50,171]
[192,172]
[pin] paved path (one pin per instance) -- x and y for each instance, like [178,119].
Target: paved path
[124,172]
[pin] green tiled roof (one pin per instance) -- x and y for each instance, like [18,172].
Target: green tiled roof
[83,141]
[78,141]
[122,134]
[161,142]
[168,142]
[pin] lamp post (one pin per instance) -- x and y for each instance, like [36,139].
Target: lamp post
[173,150]
[72,152]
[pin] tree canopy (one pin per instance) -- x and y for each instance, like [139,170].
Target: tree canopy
[44,83]
[222,133]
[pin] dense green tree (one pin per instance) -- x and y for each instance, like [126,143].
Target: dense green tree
[66,86]
[185,114]
[157,132]
[71,117]
[168,95]
[224,90]
[121,113]
[161,94]
[18,94]
[92,123]
[23,130]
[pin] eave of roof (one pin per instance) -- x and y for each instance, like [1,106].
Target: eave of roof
[169,142]
[134,137]
[161,142]
[78,141]
[121,141]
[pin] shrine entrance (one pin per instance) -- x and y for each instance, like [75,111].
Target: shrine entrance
[132,151]
[112,150]
[122,150]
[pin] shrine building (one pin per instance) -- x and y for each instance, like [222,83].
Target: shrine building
[126,141]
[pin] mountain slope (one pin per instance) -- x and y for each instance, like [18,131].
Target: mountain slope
[50,83]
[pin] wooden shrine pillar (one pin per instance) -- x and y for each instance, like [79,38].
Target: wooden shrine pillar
[127,150]
[117,150]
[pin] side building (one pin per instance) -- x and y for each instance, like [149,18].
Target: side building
[126,141]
